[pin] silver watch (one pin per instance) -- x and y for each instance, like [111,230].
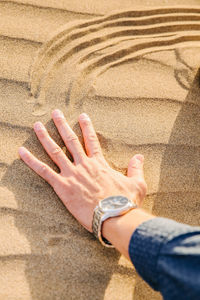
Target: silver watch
[107,208]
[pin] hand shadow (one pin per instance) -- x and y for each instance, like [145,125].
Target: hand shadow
[65,261]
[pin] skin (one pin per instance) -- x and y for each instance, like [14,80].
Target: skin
[81,184]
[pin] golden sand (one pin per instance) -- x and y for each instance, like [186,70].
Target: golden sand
[133,67]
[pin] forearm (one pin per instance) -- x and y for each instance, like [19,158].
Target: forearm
[165,253]
[119,230]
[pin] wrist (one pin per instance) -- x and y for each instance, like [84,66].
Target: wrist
[118,230]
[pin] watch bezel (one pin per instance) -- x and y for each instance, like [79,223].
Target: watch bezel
[115,211]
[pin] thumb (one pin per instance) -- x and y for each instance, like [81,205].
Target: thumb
[135,166]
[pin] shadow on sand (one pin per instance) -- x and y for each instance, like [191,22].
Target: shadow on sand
[179,185]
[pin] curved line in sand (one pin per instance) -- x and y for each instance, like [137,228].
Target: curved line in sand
[117,59]
[189,192]
[39,5]
[99,43]
[116,15]
[164,31]
[161,44]
[162,146]
[70,7]
[156,99]
[126,39]
[115,55]
[43,58]
[99,66]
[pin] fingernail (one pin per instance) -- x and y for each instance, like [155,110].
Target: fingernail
[139,157]
[22,151]
[38,126]
[58,113]
[84,116]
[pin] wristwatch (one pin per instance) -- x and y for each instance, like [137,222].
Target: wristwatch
[108,208]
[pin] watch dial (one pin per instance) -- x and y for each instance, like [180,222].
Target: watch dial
[113,203]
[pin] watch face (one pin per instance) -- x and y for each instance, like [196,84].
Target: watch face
[113,203]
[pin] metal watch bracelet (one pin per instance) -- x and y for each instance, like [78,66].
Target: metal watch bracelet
[96,228]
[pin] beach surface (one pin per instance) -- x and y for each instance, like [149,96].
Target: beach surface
[133,66]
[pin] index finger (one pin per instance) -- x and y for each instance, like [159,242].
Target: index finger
[37,166]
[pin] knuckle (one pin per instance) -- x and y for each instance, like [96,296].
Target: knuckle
[100,158]
[134,167]
[43,170]
[81,156]
[71,138]
[86,164]
[92,137]
[56,152]
[96,151]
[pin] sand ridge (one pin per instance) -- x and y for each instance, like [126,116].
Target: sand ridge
[31,22]
[57,43]
[94,7]
[23,29]
[94,46]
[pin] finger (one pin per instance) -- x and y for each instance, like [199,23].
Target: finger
[91,141]
[69,137]
[53,150]
[39,167]
[135,166]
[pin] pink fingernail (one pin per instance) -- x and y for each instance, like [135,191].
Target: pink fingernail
[139,157]
[22,151]
[58,113]
[84,116]
[38,126]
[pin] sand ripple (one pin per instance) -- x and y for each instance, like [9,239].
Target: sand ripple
[86,49]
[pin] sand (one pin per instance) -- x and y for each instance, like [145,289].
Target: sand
[133,67]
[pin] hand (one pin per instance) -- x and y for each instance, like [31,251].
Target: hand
[83,183]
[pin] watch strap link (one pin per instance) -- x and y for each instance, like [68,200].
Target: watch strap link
[96,222]
[96,228]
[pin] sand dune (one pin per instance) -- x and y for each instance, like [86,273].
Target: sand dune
[135,72]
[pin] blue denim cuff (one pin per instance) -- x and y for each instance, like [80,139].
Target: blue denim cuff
[146,243]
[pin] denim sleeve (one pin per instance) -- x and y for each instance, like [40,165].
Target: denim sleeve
[166,254]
